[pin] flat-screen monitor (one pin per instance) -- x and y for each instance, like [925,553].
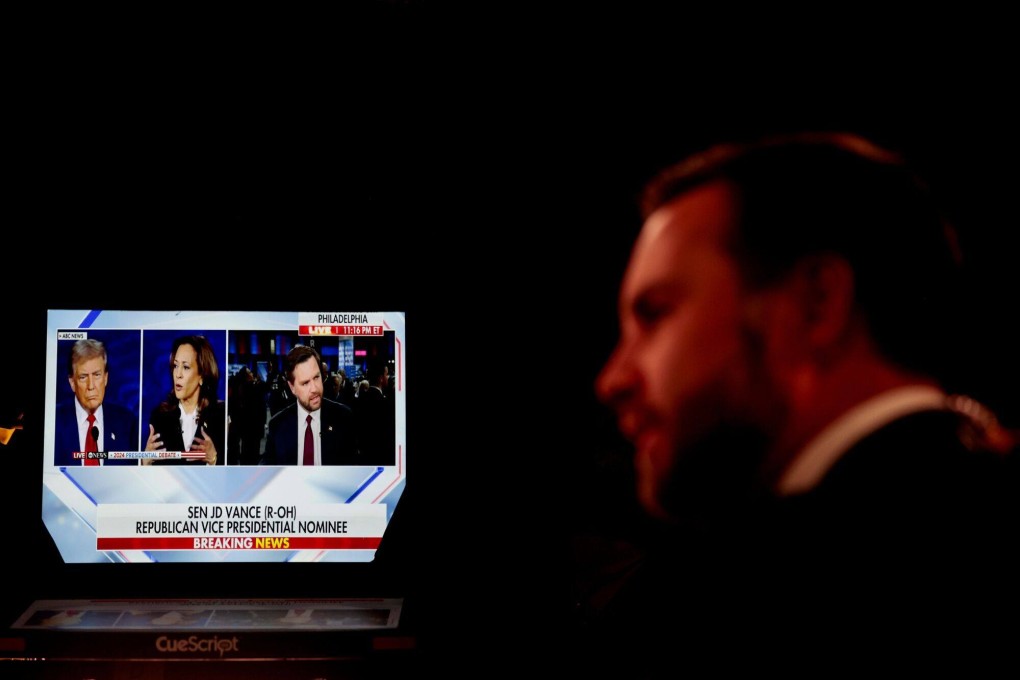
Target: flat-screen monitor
[222,436]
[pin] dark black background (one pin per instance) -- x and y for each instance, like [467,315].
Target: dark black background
[487,186]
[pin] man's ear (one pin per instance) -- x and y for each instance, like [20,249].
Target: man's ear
[826,286]
[290,386]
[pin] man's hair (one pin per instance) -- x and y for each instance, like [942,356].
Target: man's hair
[299,355]
[82,351]
[835,193]
[205,363]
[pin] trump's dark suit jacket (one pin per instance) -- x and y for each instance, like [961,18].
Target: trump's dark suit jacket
[121,433]
[338,437]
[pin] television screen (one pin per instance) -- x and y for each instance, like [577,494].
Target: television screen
[223,436]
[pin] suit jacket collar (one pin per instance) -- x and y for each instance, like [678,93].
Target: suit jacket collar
[822,452]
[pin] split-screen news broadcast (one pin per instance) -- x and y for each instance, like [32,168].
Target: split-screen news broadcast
[223,436]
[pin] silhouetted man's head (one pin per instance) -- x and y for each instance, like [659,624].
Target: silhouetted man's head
[762,272]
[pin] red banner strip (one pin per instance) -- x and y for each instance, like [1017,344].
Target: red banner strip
[240,543]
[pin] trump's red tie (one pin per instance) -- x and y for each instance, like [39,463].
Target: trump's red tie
[90,442]
[309,443]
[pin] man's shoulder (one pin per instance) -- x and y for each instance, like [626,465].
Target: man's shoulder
[117,412]
[918,495]
[289,412]
[335,409]
[928,439]
[921,465]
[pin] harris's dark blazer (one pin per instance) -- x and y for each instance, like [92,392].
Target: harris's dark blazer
[168,424]
[121,433]
[338,436]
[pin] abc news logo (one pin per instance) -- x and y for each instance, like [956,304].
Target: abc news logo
[194,643]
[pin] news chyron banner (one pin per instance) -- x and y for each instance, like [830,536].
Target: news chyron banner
[317,526]
[223,436]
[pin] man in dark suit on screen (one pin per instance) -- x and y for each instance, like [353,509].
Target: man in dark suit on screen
[373,412]
[314,430]
[87,423]
[777,373]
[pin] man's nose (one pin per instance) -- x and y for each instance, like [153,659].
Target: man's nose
[617,379]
